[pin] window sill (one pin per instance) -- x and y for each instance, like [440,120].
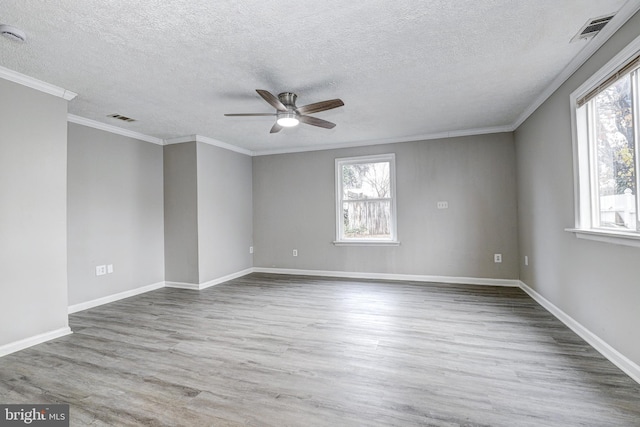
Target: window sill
[607,236]
[367,243]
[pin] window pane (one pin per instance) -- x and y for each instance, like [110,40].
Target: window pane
[367,219]
[615,177]
[361,181]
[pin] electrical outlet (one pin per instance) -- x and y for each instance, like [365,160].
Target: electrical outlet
[526,260]
[101,270]
[442,205]
[250,249]
[109,268]
[497,258]
[295,252]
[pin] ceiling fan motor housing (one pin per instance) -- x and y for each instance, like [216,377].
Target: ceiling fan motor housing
[288,99]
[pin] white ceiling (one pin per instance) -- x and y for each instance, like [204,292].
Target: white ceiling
[405,69]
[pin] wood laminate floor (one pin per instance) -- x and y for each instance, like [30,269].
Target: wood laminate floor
[267,350]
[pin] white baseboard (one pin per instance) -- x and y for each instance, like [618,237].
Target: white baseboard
[390,276]
[31,341]
[226,278]
[182,285]
[614,356]
[201,286]
[115,297]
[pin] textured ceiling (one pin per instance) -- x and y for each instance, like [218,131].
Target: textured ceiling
[404,68]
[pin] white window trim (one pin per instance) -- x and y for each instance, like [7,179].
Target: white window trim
[393,241]
[607,236]
[370,242]
[582,204]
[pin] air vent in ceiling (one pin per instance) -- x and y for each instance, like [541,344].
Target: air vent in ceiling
[592,27]
[121,117]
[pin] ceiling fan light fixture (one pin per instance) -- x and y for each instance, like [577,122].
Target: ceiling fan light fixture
[288,119]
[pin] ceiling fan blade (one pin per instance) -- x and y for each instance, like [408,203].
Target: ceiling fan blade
[276,128]
[320,106]
[250,114]
[272,100]
[314,121]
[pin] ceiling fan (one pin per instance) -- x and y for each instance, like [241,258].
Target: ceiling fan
[289,115]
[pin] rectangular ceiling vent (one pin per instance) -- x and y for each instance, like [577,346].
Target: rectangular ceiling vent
[592,27]
[121,117]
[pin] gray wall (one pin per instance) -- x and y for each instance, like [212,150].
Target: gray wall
[225,212]
[208,212]
[598,284]
[33,213]
[294,208]
[115,213]
[181,213]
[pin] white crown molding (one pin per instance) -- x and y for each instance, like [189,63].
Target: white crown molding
[113,129]
[622,16]
[210,141]
[112,298]
[614,356]
[230,147]
[480,131]
[415,138]
[180,139]
[34,340]
[392,276]
[27,81]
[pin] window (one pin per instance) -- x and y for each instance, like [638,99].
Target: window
[606,116]
[365,200]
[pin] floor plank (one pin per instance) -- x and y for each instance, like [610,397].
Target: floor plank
[268,350]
